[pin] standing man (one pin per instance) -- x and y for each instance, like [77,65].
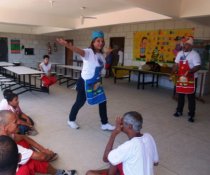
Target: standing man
[187,63]
[121,57]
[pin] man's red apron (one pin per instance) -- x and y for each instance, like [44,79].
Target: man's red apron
[186,82]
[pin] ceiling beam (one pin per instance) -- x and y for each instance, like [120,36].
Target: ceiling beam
[165,7]
[195,8]
[24,18]
[121,17]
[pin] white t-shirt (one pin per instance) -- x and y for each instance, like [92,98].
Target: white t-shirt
[90,62]
[5,106]
[45,67]
[25,154]
[137,155]
[192,57]
[120,53]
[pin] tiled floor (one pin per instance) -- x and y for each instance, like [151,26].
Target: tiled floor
[184,148]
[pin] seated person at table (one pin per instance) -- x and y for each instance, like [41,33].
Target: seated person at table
[31,161]
[137,156]
[9,156]
[11,102]
[47,78]
[108,58]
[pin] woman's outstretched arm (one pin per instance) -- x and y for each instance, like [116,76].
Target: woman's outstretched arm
[70,46]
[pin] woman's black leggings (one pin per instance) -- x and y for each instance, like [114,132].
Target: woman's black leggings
[80,101]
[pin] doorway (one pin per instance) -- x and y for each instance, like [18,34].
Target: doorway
[3,49]
[68,55]
[118,44]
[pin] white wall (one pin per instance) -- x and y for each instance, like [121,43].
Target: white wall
[82,37]
[39,43]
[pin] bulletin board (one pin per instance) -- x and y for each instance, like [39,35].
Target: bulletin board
[15,46]
[158,45]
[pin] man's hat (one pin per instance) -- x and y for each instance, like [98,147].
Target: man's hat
[189,40]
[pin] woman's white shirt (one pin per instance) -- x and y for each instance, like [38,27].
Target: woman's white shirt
[90,62]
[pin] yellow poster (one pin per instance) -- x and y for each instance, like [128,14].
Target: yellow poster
[159,45]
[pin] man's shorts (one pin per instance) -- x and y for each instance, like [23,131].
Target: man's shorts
[119,168]
[32,167]
[107,66]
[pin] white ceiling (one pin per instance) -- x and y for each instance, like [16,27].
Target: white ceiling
[44,16]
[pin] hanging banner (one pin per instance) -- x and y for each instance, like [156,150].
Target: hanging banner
[15,46]
[159,45]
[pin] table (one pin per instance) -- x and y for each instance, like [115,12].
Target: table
[23,71]
[141,73]
[202,75]
[79,62]
[78,68]
[155,78]
[5,64]
[73,77]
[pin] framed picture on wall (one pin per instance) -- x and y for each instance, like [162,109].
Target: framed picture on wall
[15,46]
[29,51]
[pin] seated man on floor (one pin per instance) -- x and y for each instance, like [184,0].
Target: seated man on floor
[11,102]
[9,156]
[31,161]
[137,156]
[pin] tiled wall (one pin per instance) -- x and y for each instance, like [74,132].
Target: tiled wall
[39,43]
[82,39]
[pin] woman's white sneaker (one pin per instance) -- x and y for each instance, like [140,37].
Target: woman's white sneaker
[107,127]
[73,124]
